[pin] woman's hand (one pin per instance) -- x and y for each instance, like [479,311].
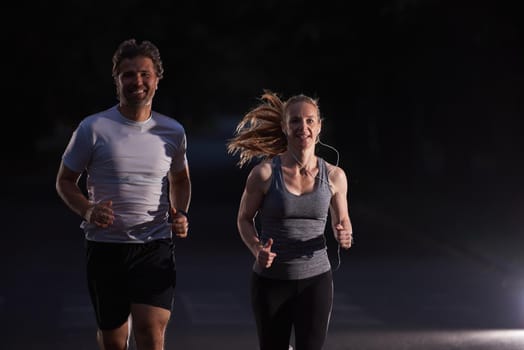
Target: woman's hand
[343,236]
[265,256]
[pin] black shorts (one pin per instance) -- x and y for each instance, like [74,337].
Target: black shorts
[121,274]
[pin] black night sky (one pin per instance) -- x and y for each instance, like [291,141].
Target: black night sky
[412,92]
[423,99]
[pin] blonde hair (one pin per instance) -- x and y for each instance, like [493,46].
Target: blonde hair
[259,133]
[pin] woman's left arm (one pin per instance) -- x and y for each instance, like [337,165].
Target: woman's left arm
[339,208]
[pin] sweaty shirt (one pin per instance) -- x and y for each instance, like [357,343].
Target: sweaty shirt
[127,162]
[297,224]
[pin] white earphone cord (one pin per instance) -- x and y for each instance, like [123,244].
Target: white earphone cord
[332,148]
[339,260]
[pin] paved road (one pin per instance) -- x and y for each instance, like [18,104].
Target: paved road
[397,288]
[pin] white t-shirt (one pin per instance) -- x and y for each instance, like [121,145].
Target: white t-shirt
[127,162]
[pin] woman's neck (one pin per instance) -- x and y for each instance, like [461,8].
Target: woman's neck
[305,161]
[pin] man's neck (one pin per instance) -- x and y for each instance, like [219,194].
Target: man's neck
[137,114]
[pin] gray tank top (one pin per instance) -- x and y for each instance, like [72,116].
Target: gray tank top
[297,224]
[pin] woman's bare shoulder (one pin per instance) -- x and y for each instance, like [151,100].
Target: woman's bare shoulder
[262,170]
[337,175]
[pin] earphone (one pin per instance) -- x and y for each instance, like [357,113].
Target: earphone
[332,148]
[339,259]
[326,182]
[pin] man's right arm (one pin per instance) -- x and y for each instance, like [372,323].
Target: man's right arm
[68,189]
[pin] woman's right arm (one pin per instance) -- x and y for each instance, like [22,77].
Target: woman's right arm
[256,186]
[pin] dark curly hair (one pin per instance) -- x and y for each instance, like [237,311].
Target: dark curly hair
[131,48]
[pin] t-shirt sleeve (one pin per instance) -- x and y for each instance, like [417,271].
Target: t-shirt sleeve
[78,151]
[180,155]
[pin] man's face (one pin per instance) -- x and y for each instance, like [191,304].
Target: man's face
[137,81]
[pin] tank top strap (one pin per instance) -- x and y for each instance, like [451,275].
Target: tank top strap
[277,180]
[322,171]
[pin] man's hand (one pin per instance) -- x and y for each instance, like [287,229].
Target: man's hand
[100,214]
[180,224]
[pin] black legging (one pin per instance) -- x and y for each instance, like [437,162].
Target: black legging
[280,305]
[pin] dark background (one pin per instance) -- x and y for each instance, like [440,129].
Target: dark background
[422,100]
[411,91]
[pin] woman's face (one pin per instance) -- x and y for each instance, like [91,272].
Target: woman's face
[302,125]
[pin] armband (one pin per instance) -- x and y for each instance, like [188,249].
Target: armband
[183,212]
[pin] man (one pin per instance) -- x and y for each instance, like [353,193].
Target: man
[138,195]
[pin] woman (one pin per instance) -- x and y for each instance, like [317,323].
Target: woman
[290,191]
